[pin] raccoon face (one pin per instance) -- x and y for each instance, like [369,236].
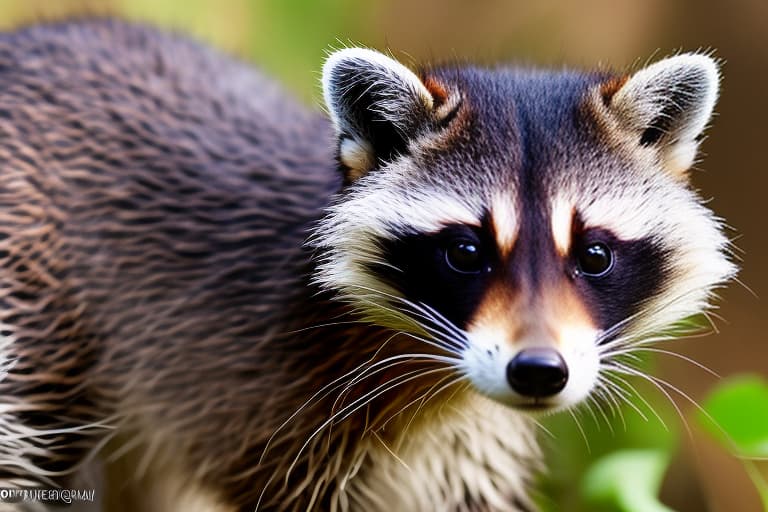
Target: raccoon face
[530,226]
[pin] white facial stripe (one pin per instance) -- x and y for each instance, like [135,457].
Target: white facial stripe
[505,222]
[382,209]
[621,216]
[673,216]
[562,224]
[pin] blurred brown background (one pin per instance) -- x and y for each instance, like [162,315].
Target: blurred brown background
[288,37]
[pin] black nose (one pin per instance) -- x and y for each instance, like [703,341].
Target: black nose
[537,372]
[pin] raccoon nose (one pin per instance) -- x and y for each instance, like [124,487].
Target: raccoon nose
[537,372]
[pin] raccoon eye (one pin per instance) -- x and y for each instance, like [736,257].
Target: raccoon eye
[595,259]
[464,257]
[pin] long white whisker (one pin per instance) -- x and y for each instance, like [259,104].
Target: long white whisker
[328,388]
[667,352]
[633,371]
[394,361]
[360,402]
[581,430]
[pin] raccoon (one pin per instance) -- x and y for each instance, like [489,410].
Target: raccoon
[213,298]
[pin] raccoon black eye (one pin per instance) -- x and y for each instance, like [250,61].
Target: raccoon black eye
[595,260]
[464,257]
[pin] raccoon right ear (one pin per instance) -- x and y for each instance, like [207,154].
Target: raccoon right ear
[376,105]
[667,105]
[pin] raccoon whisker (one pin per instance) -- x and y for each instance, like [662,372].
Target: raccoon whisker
[392,361]
[449,332]
[445,338]
[452,362]
[440,318]
[438,331]
[414,372]
[427,396]
[625,395]
[431,313]
[587,404]
[544,429]
[599,400]
[628,351]
[406,406]
[438,343]
[642,313]
[464,386]
[650,312]
[398,360]
[659,382]
[651,335]
[630,348]
[581,429]
[356,405]
[338,382]
[396,381]
[329,324]
[641,339]
[331,386]
[627,392]
[622,368]
[435,343]
[391,452]
[423,313]
[604,393]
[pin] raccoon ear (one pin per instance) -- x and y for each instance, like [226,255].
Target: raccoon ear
[376,105]
[668,104]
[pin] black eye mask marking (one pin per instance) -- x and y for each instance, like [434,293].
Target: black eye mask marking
[638,271]
[440,269]
[451,270]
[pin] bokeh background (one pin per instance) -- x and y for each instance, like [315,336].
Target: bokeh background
[288,38]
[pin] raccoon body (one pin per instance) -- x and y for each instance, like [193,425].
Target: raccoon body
[223,301]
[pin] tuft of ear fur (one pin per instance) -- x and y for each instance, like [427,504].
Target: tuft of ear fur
[376,105]
[667,105]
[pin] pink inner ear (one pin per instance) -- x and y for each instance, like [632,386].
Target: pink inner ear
[611,87]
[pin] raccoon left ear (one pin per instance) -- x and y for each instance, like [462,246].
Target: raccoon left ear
[667,105]
[376,105]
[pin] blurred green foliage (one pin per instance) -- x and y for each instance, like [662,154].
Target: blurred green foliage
[736,413]
[288,38]
[588,445]
[627,480]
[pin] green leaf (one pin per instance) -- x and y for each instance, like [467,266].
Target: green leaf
[627,481]
[739,409]
[738,417]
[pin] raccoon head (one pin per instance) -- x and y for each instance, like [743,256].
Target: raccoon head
[531,225]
